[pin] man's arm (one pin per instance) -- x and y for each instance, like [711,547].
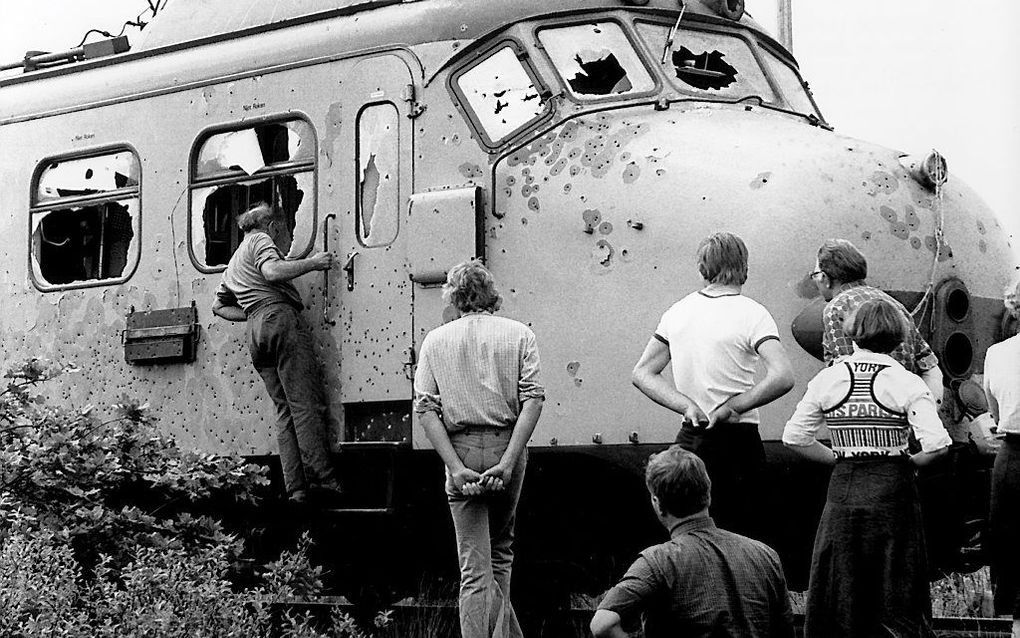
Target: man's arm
[497,475]
[647,376]
[606,624]
[225,306]
[278,270]
[932,378]
[464,478]
[778,380]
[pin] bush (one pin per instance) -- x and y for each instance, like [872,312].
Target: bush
[100,533]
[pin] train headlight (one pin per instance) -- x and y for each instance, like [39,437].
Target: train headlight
[732,9]
[931,171]
[953,328]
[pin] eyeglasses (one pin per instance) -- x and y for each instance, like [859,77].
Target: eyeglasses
[817,272]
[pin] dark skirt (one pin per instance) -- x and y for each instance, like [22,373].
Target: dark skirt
[868,568]
[735,459]
[1004,527]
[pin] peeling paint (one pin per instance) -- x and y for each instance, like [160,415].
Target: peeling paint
[631,173]
[591,218]
[470,171]
[760,180]
[332,130]
[602,256]
[881,182]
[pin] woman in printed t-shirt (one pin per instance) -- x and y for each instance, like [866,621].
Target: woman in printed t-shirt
[1002,387]
[869,572]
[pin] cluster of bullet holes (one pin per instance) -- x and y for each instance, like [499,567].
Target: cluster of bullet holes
[705,70]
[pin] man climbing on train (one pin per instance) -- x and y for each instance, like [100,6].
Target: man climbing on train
[257,287]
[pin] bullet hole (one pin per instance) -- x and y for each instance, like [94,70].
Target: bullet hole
[533,204]
[575,170]
[866,235]
[524,221]
[981,227]
[659,172]
[566,188]
[912,220]
[558,167]
[573,367]
[578,382]
[470,171]
[899,230]
[888,214]
[603,253]
[760,180]
[605,228]
[915,243]
[631,173]
[982,246]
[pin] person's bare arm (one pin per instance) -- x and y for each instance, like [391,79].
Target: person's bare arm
[647,376]
[225,306]
[932,378]
[495,477]
[464,478]
[814,452]
[278,270]
[606,624]
[778,380]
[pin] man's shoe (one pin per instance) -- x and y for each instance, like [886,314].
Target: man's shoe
[326,494]
[298,497]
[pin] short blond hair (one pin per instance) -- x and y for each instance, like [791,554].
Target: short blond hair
[722,259]
[470,287]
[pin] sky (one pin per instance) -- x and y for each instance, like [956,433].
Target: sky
[915,75]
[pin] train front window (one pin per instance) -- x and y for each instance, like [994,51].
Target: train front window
[790,84]
[502,94]
[709,63]
[85,220]
[596,60]
[271,162]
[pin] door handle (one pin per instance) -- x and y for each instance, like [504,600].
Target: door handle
[325,273]
[349,269]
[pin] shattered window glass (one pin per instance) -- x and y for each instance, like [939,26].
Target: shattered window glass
[254,149]
[378,157]
[789,83]
[85,220]
[501,94]
[709,63]
[596,59]
[272,162]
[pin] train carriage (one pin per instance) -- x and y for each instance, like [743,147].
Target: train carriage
[582,148]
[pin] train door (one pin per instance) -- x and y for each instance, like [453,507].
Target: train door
[375,324]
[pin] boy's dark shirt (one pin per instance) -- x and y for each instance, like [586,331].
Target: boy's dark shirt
[705,582]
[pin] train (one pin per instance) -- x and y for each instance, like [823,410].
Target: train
[582,148]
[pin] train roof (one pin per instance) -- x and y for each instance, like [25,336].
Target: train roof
[184,21]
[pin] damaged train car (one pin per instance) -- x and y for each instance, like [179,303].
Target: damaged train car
[582,147]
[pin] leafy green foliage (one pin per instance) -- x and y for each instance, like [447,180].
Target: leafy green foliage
[101,530]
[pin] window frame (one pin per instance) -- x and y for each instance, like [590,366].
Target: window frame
[463,105]
[357,173]
[717,29]
[629,32]
[35,207]
[233,177]
[785,60]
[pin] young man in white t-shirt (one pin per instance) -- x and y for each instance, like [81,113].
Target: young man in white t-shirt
[714,338]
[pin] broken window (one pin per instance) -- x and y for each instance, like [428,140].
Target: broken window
[271,162]
[502,94]
[85,220]
[596,59]
[790,84]
[710,63]
[378,158]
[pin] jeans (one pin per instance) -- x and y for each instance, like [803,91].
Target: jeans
[484,526]
[281,350]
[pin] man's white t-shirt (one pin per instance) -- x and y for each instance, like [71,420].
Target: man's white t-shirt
[713,346]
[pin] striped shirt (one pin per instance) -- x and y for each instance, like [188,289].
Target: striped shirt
[914,353]
[869,404]
[705,582]
[477,371]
